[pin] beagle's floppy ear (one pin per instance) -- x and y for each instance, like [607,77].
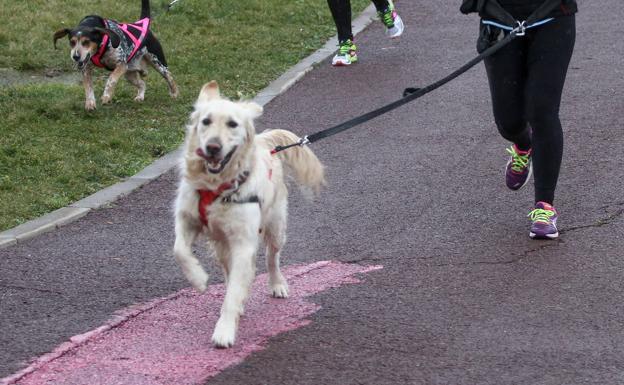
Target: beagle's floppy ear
[60,33]
[209,92]
[115,39]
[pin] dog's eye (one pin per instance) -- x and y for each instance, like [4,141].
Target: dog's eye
[72,43]
[232,124]
[85,43]
[206,121]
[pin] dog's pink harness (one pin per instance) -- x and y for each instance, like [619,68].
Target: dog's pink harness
[136,32]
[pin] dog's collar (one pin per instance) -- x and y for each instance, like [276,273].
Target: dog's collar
[207,197]
[97,58]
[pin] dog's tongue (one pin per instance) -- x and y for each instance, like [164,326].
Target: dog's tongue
[212,163]
[207,158]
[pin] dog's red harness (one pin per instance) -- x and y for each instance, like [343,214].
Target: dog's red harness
[207,197]
[136,33]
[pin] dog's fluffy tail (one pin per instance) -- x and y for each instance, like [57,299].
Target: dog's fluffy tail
[304,165]
[145,9]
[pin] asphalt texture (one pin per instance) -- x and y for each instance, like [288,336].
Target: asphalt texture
[465,297]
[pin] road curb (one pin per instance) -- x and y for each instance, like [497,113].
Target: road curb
[104,197]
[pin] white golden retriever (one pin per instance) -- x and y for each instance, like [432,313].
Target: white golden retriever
[232,190]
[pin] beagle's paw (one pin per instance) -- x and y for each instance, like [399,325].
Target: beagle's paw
[90,104]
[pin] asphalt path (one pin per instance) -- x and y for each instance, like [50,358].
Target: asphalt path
[464,296]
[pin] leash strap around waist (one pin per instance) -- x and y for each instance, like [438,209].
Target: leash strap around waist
[522,25]
[411,94]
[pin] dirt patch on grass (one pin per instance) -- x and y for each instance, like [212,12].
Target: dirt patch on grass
[11,77]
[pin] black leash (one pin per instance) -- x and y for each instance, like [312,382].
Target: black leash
[411,94]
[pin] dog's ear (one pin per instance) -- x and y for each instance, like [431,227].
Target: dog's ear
[60,33]
[115,39]
[254,109]
[209,92]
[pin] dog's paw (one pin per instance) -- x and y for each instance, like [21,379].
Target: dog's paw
[175,93]
[198,279]
[90,105]
[279,290]
[139,98]
[106,99]
[224,334]
[200,287]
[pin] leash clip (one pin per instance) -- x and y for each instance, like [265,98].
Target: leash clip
[520,30]
[303,141]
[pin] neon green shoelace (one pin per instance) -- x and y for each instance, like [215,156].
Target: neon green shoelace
[346,46]
[541,215]
[518,162]
[386,15]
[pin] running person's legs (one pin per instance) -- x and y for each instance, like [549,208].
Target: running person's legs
[506,74]
[549,53]
[526,81]
[341,13]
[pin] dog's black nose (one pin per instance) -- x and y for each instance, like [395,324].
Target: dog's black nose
[76,57]
[213,149]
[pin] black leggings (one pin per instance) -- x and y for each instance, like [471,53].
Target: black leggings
[341,12]
[526,80]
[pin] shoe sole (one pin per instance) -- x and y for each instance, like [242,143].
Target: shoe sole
[532,235]
[398,23]
[527,179]
[341,63]
[338,61]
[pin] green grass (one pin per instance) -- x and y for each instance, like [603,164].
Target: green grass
[53,153]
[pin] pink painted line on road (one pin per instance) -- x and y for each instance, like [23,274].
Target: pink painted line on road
[167,341]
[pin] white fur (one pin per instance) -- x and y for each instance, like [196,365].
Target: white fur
[234,230]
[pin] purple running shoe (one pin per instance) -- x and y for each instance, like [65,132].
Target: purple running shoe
[544,218]
[519,169]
